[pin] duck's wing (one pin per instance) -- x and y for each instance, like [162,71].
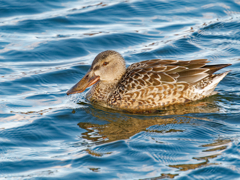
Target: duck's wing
[170,71]
[157,72]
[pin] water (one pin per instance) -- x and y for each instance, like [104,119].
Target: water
[47,46]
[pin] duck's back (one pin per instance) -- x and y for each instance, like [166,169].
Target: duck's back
[152,84]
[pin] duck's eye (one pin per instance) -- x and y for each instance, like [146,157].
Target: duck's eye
[105,63]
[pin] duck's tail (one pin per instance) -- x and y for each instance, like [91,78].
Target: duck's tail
[208,90]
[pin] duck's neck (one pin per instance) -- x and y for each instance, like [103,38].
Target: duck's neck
[100,92]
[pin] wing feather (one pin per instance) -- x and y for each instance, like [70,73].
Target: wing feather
[193,78]
[156,72]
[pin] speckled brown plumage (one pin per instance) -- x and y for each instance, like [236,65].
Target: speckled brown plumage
[149,85]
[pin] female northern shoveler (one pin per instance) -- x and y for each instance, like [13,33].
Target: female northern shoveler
[148,85]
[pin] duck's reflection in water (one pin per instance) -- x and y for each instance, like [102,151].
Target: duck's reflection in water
[121,126]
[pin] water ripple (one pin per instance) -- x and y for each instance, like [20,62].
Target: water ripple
[47,46]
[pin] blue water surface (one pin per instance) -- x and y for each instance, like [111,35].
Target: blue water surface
[46,46]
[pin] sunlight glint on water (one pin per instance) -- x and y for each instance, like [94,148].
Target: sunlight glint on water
[47,46]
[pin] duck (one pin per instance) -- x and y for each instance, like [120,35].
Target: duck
[147,86]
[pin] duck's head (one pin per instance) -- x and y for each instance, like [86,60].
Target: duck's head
[108,67]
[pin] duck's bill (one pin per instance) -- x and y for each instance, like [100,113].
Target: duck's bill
[87,81]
